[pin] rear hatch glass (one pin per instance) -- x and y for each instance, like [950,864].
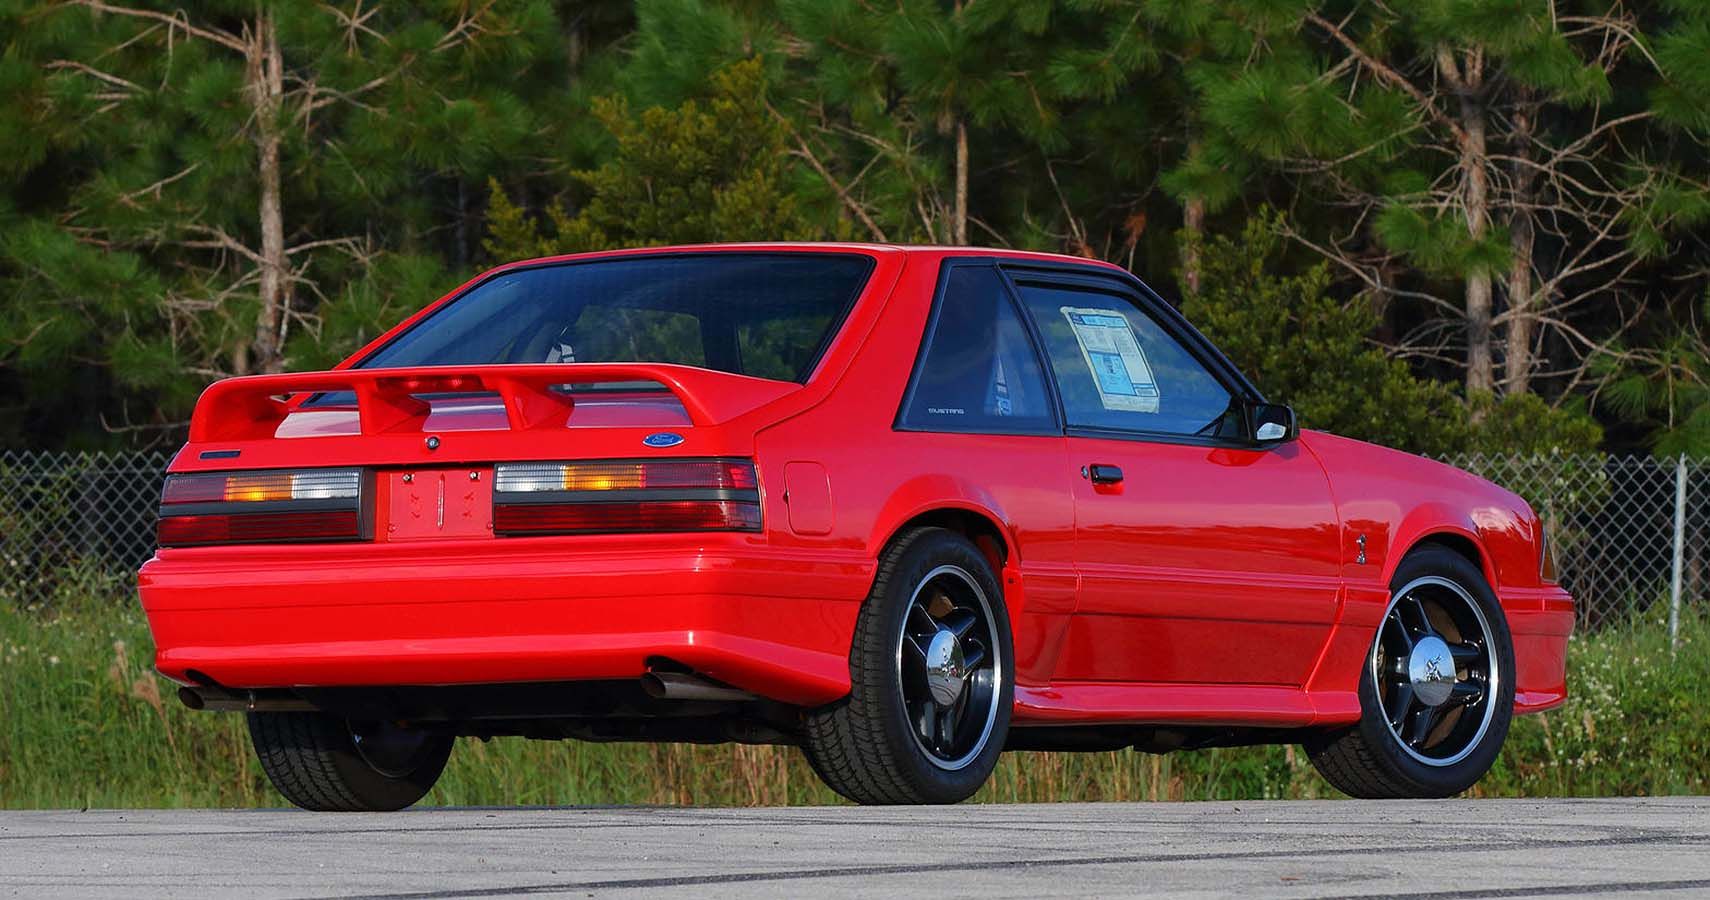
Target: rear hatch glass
[766,315]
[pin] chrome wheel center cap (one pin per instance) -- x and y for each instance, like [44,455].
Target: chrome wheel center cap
[946,671]
[1431,668]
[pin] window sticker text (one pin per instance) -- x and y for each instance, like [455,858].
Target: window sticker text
[1113,356]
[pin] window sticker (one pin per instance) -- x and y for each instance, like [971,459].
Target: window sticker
[1114,358]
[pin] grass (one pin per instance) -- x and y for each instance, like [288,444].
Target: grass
[84,722]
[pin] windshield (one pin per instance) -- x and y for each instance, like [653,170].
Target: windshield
[769,315]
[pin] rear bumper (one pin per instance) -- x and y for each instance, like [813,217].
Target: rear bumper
[775,623]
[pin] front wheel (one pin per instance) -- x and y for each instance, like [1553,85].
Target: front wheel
[328,764]
[931,680]
[1437,690]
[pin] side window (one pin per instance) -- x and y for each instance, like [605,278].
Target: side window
[978,371]
[1119,369]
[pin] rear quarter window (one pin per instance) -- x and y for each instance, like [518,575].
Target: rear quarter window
[978,370]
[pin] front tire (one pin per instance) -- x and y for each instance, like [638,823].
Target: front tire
[932,680]
[1437,690]
[325,763]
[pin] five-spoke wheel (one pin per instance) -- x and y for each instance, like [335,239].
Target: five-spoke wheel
[1437,693]
[930,679]
[948,666]
[1433,669]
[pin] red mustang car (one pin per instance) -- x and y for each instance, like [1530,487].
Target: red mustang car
[904,507]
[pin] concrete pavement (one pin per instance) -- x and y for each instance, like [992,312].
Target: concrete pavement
[1460,848]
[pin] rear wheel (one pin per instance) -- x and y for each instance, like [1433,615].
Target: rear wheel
[328,764]
[931,680]
[1437,690]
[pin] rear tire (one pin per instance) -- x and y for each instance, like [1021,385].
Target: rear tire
[1433,715]
[325,763]
[932,680]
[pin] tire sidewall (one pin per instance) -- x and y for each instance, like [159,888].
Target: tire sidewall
[313,761]
[392,792]
[929,550]
[1444,781]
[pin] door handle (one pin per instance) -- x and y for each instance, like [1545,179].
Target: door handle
[1102,473]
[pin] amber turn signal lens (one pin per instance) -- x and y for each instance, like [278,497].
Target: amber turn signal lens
[257,488]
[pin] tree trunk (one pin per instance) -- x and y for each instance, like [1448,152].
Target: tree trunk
[959,226]
[461,251]
[266,79]
[1517,362]
[1193,221]
[1517,366]
[1475,200]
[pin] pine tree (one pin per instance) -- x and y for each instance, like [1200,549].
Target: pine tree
[708,170]
[248,172]
[1306,348]
[1310,350]
[1499,146]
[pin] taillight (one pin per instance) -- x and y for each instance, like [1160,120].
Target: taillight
[609,496]
[263,507]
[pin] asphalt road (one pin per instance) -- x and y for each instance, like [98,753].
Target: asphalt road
[1504,848]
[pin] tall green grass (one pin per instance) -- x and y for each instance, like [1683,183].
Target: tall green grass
[84,722]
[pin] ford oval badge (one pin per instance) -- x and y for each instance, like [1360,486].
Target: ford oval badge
[663,439]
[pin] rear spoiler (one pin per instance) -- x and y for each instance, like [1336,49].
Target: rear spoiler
[253,406]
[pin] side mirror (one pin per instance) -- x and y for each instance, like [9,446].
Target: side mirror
[1271,424]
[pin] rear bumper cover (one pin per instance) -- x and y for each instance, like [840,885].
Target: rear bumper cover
[776,623]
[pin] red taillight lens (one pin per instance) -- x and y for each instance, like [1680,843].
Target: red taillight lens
[262,507]
[652,515]
[250,528]
[705,474]
[609,496]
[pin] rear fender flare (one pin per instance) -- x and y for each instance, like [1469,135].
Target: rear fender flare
[927,494]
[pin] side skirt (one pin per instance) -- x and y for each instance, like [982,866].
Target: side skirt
[1242,705]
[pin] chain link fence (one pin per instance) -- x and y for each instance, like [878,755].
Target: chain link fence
[1631,534]
[68,520]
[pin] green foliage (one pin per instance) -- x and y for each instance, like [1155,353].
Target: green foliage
[132,241]
[129,184]
[1631,724]
[1437,243]
[1305,347]
[1308,349]
[712,170]
[1664,390]
[1525,424]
